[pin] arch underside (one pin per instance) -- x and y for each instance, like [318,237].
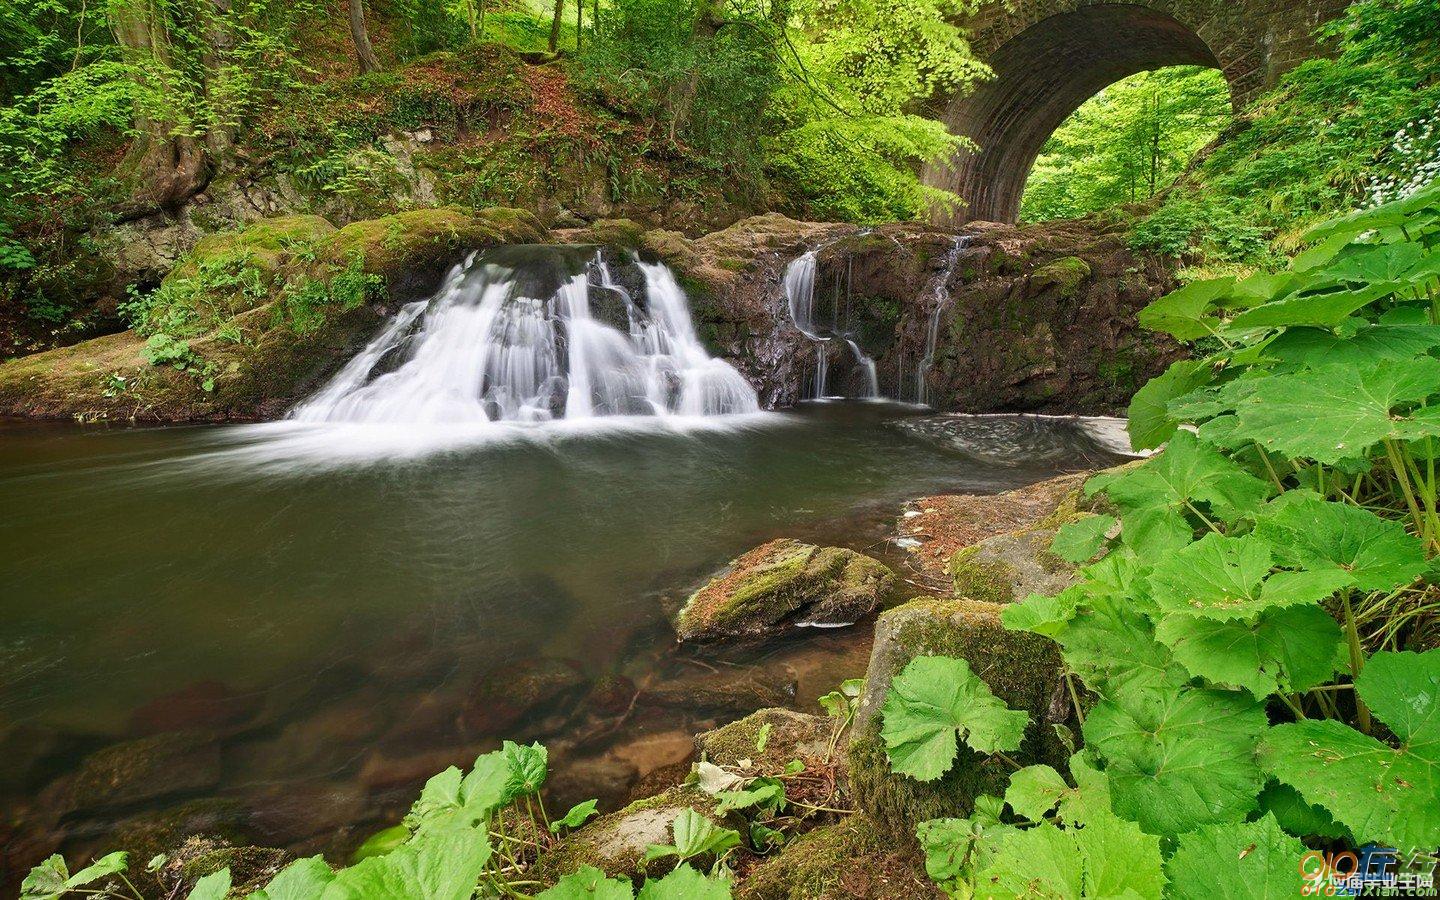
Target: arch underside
[1042,75]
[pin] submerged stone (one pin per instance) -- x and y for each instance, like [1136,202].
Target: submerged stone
[146,769]
[783,583]
[1020,668]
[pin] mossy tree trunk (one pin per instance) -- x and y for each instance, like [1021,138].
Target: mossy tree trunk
[555,25]
[165,165]
[364,52]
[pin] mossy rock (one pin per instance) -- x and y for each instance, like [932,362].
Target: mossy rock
[1064,274]
[391,245]
[781,583]
[1022,669]
[792,735]
[271,317]
[251,868]
[852,858]
[616,843]
[1010,567]
[266,243]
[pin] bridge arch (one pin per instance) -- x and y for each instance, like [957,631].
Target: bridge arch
[1050,56]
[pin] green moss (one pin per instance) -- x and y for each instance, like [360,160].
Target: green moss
[852,858]
[1064,274]
[791,735]
[251,868]
[977,579]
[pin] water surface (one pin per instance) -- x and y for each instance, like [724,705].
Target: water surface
[292,570]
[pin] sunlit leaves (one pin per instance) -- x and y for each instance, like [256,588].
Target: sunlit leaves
[1080,540]
[1235,861]
[215,886]
[443,864]
[578,815]
[1227,578]
[1150,423]
[303,879]
[1179,758]
[528,767]
[1185,313]
[1381,793]
[685,884]
[934,702]
[1034,791]
[1188,473]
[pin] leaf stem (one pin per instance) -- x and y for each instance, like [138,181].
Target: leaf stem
[1357,659]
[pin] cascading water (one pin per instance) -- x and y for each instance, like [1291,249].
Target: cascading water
[799,284]
[939,290]
[486,349]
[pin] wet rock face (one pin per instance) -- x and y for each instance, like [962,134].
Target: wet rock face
[146,769]
[1037,319]
[784,583]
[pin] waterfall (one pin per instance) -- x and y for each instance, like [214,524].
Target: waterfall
[939,290]
[491,346]
[799,284]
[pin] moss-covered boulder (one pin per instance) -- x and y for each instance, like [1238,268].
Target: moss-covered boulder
[616,843]
[1010,567]
[852,858]
[251,320]
[790,735]
[1064,274]
[783,583]
[1022,669]
[251,868]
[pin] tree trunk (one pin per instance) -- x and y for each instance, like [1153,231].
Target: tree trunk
[166,168]
[470,20]
[579,20]
[555,25]
[364,53]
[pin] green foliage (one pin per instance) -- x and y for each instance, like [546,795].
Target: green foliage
[442,851]
[695,836]
[1127,142]
[1356,127]
[1243,639]
[934,702]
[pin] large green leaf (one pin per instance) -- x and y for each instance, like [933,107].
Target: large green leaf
[1080,540]
[685,884]
[935,701]
[1309,531]
[1186,472]
[1339,411]
[589,883]
[1327,309]
[1298,817]
[1286,649]
[215,886]
[1109,857]
[1313,347]
[1111,646]
[439,865]
[1183,312]
[1229,578]
[1381,793]
[1178,759]
[1034,791]
[303,879]
[529,767]
[1236,861]
[695,835]
[1150,423]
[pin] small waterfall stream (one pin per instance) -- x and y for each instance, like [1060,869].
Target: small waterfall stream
[496,344]
[939,290]
[799,282]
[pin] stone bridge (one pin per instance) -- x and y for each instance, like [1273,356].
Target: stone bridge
[1050,56]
